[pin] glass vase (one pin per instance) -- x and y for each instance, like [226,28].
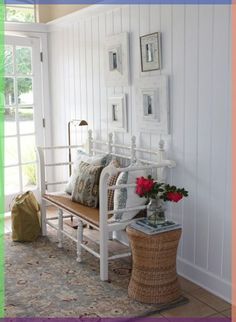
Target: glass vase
[156,212]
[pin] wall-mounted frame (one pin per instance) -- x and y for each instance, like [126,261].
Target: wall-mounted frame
[117,113]
[117,60]
[150,49]
[153,104]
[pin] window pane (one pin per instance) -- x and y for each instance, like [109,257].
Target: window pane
[11,152]
[11,180]
[20,14]
[24,60]
[28,148]
[8,60]
[9,91]
[25,94]
[29,176]
[26,118]
[10,121]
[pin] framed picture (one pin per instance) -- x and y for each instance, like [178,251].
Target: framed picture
[150,52]
[151,108]
[117,60]
[152,104]
[118,113]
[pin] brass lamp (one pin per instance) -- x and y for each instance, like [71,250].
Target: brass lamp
[75,123]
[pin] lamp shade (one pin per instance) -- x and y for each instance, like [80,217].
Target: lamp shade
[78,122]
[83,123]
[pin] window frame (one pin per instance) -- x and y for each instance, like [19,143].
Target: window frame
[24,6]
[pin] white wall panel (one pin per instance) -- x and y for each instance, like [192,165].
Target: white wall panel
[103,89]
[220,135]
[205,52]
[190,128]
[196,57]
[178,106]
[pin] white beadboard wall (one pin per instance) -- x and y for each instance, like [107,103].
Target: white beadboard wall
[196,49]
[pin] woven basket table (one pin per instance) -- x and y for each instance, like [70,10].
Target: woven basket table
[154,279]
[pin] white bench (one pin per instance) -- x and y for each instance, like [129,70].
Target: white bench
[97,218]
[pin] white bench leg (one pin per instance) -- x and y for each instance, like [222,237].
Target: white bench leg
[60,228]
[43,217]
[104,256]
[79,240]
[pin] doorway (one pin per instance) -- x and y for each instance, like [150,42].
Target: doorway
[23,126]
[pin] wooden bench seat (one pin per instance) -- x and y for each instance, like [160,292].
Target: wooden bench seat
[63,201]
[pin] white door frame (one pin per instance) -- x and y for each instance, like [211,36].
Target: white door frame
[41,88]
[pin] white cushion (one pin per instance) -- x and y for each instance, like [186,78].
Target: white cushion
[82,156]
[127,197]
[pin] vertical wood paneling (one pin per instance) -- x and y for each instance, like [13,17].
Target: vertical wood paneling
[204,137]
[117,28]
[166,45]
[77,80]
[95,77]
[89,72]
[109,31]
[126,25]
[227,233]
[144,14]
[104,90]
[134,62]
[178,108]
[190,129]
[71,75]
[66,77]
[154,26]
[219,137]
[196,57]
[83,73]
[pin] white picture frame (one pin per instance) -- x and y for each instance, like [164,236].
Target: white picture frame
[117,60]
[150,50]
[117,113]
[152,102]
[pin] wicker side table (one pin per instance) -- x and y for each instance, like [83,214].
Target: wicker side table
[154,278]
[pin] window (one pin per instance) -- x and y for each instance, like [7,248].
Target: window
[20,13]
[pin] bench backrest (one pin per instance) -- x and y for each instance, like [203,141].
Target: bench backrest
[125,153]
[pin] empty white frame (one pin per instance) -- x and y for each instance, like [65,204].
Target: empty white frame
[152,104]
[117,113]
[117,60]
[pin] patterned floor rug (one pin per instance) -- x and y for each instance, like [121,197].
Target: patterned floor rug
[45,281]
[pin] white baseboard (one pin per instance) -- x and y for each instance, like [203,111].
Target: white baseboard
[205,279]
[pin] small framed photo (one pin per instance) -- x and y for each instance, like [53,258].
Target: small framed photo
[118,113]
[114,59]
[153,104]
[117,60]
[150,49]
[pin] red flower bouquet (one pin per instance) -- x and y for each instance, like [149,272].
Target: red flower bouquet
[156,193]
[147,187]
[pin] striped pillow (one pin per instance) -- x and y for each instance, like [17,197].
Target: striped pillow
[112,182]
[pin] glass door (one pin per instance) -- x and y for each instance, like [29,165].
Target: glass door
[23,115]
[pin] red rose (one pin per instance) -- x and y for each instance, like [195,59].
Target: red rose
[174,196]
[144,186]
[148,185]
[139,191]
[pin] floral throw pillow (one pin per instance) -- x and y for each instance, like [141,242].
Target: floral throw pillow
[86,188]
